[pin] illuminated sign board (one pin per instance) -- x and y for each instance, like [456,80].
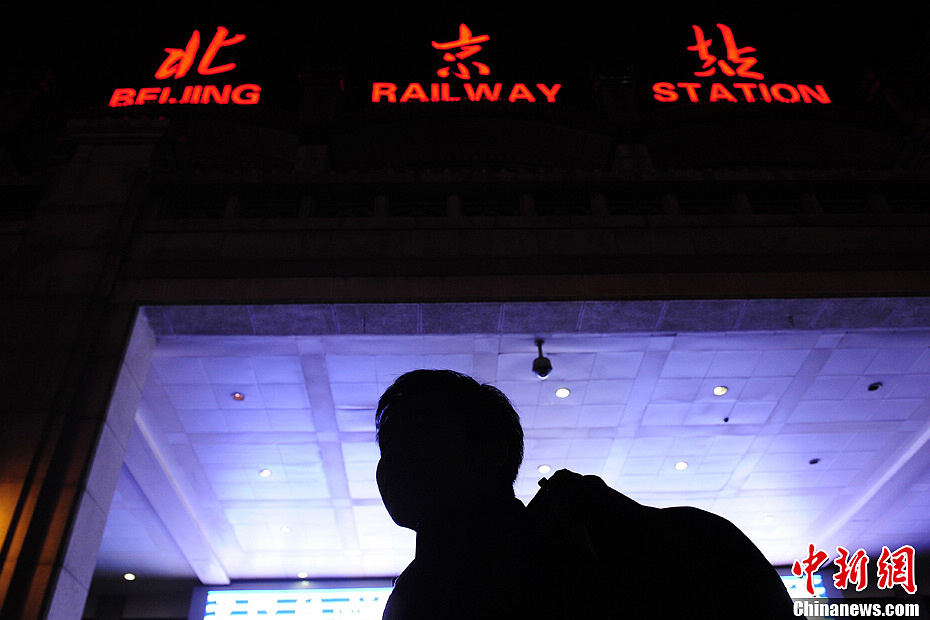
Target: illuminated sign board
[740,81]
[365,602]
[797,589]
[462,64]
[178,64]
[726,70]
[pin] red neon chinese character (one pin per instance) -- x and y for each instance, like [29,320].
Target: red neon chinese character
[179,61]
[897,568]
[851,569]
[734,55]
[809,566]
[468,46]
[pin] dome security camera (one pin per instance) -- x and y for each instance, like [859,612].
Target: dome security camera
[541,365]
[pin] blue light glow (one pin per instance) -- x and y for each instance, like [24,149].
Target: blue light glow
[310,604]
[797,586]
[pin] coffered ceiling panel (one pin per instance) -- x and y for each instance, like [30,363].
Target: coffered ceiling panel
[254,456]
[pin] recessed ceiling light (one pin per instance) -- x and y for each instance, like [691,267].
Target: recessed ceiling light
[302,575]
[720,390]
[681,466]
[264,473]
[129,577]
[544,469]
[814,461]
[238,396]
[285,529]
[768,518]
[875,386]
[562,392]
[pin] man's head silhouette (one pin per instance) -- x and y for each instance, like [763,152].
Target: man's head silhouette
[447,442]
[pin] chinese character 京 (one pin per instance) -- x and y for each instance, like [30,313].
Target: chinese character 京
[897,567]
[815,558]
[179,61]
[734,55]
[852,569]
[467,45]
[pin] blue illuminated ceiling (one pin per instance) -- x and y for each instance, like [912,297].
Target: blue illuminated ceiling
[641,376]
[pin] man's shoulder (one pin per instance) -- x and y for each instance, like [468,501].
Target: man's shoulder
[566,487]
[587,494]
[713,554]
[587,500]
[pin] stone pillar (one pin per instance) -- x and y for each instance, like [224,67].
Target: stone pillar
[63,348]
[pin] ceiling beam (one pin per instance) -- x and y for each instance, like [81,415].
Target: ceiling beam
[148,464]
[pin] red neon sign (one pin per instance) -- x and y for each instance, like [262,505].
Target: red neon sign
[467,45]
[734,55]
[179,62]
[177,65]
[737,63]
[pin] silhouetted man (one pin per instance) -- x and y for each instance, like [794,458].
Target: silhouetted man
[450,452]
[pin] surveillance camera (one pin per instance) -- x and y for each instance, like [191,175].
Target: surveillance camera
[542,367]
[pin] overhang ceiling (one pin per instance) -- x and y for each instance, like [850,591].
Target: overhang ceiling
[802,448]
